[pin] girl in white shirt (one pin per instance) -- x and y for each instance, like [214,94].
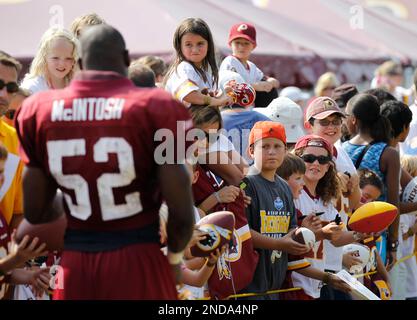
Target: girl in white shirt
[193,76]
[55,62]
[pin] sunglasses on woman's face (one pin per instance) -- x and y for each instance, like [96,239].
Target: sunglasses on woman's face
[310,158]
[11,87]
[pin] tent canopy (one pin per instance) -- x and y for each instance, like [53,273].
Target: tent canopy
[297,40]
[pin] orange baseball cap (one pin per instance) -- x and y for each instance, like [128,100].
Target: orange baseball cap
[267,129]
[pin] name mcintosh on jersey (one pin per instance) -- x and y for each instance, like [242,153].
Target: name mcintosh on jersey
[88,109]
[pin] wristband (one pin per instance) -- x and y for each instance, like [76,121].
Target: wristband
[175,258]
[410,232]
[216,194]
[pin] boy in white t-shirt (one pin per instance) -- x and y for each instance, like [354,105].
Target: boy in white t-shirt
[242,40]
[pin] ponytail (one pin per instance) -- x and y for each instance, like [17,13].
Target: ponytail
[366,110]
[381,130]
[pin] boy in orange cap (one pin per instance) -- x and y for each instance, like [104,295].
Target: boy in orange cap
[271,214]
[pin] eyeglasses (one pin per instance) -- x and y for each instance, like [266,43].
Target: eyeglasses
[11,87]
[326,122]
[311,158]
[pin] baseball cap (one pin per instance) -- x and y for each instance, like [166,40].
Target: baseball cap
[286,112]
[267,129]
[321,108]
[243,30]
[294,93]
[343,93]
[313,140]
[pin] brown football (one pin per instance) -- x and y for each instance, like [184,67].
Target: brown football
[52,233]
[219,227]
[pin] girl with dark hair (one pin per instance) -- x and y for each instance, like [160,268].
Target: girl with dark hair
[370,149]
[193,76]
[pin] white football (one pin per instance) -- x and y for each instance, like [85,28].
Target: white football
[305,236]
[359,251]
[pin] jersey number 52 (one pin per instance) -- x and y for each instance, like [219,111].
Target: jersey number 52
[58,149]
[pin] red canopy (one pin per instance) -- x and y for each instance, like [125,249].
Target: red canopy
[297,40]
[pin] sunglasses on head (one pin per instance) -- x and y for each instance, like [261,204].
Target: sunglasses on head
[310,158]
[11,87]
[327,122]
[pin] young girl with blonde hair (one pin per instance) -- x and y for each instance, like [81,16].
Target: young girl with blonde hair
[55,62]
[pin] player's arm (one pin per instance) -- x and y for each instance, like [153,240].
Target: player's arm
[39,202]
[176,190]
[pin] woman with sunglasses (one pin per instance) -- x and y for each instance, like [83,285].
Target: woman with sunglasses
[325,118]
[321,189]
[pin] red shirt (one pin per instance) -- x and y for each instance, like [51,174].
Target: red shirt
[96,139]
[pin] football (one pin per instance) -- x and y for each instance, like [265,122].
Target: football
[243,94]
[373,217]
[305,236]
[219,227]
[234,85]
[359,251]
[52,233]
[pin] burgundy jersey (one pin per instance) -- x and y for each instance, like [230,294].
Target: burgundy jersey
[234,270]
[97,139]
[4,240]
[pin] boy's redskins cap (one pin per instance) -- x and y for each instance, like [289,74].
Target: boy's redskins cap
[243,30]
[267,129]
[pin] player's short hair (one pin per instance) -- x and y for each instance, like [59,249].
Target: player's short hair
[292,164]
[81,22]
[9,61]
